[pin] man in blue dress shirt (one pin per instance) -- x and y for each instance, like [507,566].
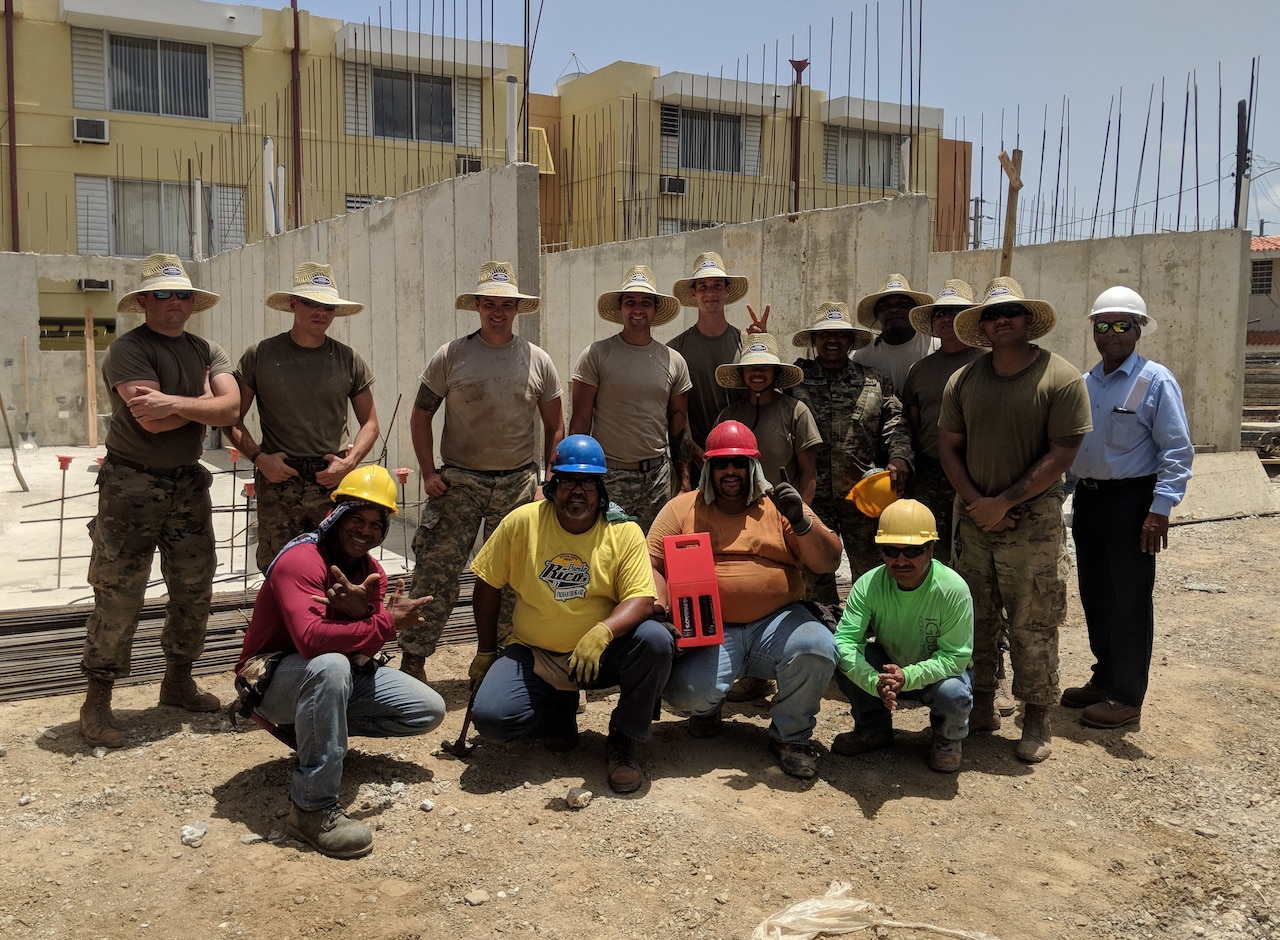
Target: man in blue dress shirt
[1130,472]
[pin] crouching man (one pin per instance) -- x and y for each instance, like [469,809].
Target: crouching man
[907,633]
[322,607]
[582,620]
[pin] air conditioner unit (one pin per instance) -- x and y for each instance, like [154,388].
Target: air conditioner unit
[671,185]
[89,130]
[467,164]
[89,284]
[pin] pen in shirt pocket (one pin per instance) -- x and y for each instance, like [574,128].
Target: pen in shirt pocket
[1122,411]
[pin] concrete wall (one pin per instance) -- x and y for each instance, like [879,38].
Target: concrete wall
[1195,284]
[794,263]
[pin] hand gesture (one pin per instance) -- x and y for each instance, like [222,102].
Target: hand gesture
[151,404]
[889,684]
[758,324]
[406,611]
[347,601]
[274,468]
[335,469]
[787,498]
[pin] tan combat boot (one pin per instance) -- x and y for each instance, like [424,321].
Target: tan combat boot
[415,666]
[1037,736]
[984,716]
[97,724]
[179,689]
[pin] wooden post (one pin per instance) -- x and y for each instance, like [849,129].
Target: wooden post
[1013,170]
[91,378]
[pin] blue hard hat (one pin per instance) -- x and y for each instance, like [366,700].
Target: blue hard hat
[579,453]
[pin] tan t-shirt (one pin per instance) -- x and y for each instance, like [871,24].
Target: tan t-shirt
[783,428]
[1008,421]
[633,385]
[923,390]
[757,557]
[491,397]
[896,361]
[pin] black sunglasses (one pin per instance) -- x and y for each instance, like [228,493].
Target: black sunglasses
[166,294]
[893,551]
[316,305]
[991,316]
[1102,327]
[724,463]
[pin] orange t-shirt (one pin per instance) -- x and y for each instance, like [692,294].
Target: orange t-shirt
[757,565]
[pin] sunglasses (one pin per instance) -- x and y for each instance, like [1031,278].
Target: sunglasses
[938,314]
[166,294]
[893,551]
[1101,327]
[316,305]
[724,463]
[991,316]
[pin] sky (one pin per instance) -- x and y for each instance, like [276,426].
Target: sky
[988,64]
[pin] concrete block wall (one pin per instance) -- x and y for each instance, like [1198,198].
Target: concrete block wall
[794,263]
[1196,286]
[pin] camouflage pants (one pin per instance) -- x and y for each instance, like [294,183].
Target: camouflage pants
[285,511]
[442,545]
[138,513]
[857,532]
[1024,572]
[641,493]
[931,486]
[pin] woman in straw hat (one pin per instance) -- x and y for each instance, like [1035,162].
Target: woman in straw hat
[862,428]
[784,427]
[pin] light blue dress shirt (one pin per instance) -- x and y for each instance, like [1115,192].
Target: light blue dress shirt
[1139,429]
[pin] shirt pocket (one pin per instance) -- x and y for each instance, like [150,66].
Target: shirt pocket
[1124,431]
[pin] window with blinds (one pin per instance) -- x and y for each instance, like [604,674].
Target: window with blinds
[134,218]
[709,140]
[854,157]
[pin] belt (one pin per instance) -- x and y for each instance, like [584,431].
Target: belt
[641,465]
[1091,484]
[169,473]
[493,473]
[307,466]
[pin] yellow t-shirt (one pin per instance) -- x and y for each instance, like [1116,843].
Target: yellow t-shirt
[565,584]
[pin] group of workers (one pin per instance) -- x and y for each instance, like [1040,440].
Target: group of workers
[948,398]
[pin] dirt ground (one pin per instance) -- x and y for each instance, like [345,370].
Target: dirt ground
[1171,831]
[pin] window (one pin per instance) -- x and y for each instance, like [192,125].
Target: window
[358,201]
[68,334]
[710,140]
[134,218]
[435,109]
[854,157]
[1260,282]
[676,226]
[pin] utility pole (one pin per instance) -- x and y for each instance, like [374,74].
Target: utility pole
[977,221]
[797,99]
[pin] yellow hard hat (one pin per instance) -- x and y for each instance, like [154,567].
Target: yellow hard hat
[371,483]
[907,522]
[873,493]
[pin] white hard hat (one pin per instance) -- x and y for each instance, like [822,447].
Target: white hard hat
[1124,300]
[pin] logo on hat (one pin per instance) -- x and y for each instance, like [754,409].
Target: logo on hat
[707,264]
[171,270]
[639,277]
[834,315]
[892,285]
[998,291]
[948,292]
[321,280]
[757,347]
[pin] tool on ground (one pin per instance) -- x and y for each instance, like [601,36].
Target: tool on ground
[28,436]
[63,464]
[17,472]
[460,748]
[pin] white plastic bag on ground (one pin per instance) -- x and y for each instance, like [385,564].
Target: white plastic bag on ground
[838,912]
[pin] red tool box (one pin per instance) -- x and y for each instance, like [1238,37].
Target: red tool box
[694,591]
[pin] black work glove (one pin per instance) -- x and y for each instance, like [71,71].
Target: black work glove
[787,498]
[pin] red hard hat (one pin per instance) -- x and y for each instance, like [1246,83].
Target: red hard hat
[732,439]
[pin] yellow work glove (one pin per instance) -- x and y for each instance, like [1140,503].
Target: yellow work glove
[584,661]
[479,668]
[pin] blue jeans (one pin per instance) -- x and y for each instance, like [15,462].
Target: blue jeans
[513,702]
[325,699]
[789,645]
[950,700]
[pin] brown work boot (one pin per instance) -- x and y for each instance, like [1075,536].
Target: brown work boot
[984,716]
[707,726]
[797,759]
[180,690]
[1082,696]
[329,831]
[415,666]
[750,689]
[97,725]
[861,740]
[1006,704]
[945,755]
[625,775]
[1037,736]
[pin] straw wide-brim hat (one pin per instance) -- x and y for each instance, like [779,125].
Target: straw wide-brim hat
[709,265]
[497,279]
[314,281]
[833,317]
[165,272]
[956,295]
[1001,292]
[639,279]
[758,349]
[893,284]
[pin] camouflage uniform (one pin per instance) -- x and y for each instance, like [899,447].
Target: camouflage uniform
[1024,571]
[286,510]
[138,512]
[641,493]
[931,486]
[862,426]
[447,533]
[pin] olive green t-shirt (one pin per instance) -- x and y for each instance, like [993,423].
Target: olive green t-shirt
[923,390]
[707,398]
[1008,421]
